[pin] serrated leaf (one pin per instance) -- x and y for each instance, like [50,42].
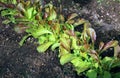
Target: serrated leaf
[80,65]
[66,58]
[43,47]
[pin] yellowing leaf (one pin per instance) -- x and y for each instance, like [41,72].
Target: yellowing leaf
[117,51]
[79,22]
[72,16]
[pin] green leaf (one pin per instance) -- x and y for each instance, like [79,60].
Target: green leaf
[74,43]
[80,65]
[52,38]
[23,39]
[92,73]
[40,32]
[116,75]
[29,12]
[66,58]
[43,47]
[106,74]
[55,45]
[52,13]
[42,39]
[116,62]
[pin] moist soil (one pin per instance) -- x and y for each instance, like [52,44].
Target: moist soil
[25,62]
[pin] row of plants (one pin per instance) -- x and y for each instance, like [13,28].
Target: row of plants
[52,30]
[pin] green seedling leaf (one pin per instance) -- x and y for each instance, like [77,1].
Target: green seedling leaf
[107,62]
[66,58]
[63,51]
[52,12]
[40,32]
[112,43]
[23,39]
[43,47]
[42,39]
[74,43]
[54,46]
[52,38]
[52,15]
[80,65]
[30,13]
[106,74]
[91,32]
[116,75]
[92,74]
[115,63]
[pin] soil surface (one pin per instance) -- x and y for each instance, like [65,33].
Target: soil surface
[26,62]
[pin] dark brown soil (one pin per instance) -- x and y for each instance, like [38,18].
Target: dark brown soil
[26,62]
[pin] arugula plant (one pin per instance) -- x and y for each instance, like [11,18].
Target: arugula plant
[53,31]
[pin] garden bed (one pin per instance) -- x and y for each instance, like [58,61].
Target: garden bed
[25,62]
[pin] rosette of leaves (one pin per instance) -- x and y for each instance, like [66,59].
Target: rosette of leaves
[79,50]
